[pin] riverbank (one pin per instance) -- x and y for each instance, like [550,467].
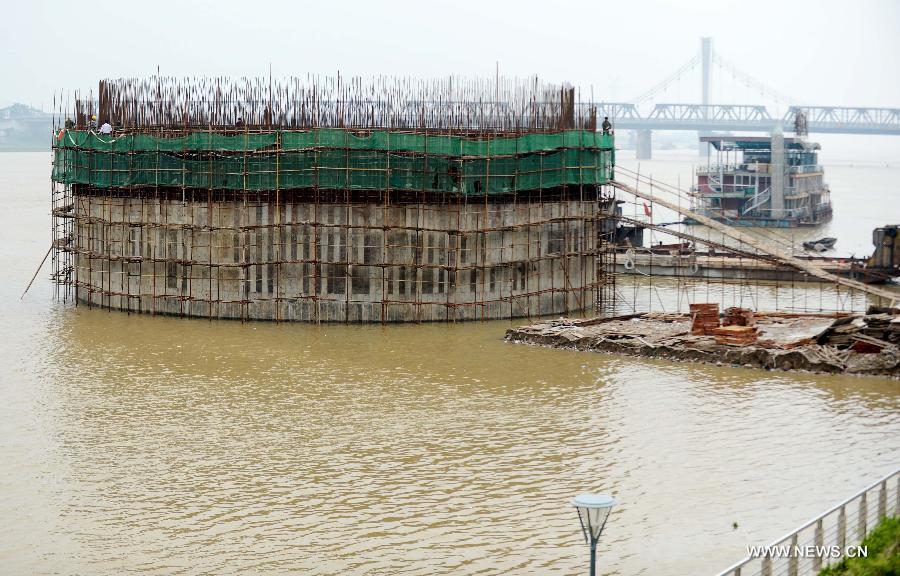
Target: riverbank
[825,343]
[883,548]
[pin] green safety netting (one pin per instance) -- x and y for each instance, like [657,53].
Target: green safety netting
[336,159]
[337,138]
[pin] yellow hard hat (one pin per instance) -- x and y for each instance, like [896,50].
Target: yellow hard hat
[93,116]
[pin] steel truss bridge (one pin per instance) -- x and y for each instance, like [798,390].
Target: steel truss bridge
[708,117]
[728,117]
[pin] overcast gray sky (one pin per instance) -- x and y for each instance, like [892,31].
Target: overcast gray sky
[826,52]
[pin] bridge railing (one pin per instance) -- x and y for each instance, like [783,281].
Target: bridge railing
[615,110]
[713,112]
[827,538]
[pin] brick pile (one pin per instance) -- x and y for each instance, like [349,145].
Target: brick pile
[704,319]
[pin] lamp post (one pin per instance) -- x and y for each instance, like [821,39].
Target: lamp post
[593,510]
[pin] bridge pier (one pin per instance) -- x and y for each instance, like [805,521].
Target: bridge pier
[703,148]
[643,144]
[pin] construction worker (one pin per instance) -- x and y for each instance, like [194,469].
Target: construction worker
[93,123]
[800,124]
[69,124]
[106,128]
[607,126]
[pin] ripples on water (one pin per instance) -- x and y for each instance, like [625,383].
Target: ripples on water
[181,447]
[167,446]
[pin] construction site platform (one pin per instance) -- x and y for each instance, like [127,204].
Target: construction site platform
[836,343]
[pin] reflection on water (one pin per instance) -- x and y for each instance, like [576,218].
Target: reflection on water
[179,446]
[167,446]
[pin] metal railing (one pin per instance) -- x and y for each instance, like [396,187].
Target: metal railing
[757,200]
[842,526]
[805,169]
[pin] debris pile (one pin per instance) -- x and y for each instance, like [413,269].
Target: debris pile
[878,329]
[829,343]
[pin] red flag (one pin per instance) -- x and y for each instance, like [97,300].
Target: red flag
[647,211]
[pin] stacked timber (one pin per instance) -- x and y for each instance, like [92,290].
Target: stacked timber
[704,319]
[841,332]
[735,316]
[871,333]
[883,326]
[735,335]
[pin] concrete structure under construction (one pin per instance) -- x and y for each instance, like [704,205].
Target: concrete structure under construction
[315,203]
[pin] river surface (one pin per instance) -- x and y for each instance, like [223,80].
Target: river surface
[137,444]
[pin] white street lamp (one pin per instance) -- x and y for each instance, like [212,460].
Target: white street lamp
[593,510]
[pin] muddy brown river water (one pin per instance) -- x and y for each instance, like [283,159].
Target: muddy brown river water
[135,444]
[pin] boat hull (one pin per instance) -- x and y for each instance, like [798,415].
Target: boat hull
[766,222]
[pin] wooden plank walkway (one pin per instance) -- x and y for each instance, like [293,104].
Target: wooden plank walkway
[811,268]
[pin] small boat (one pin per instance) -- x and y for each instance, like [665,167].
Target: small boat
[820,245]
